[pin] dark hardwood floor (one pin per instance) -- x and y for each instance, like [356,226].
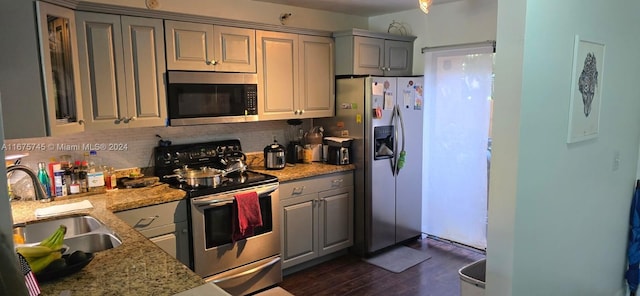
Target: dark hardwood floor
[349,275]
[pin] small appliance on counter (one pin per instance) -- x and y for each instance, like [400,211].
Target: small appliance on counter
[338,150]
[294,137]
[274,156]
[313,138]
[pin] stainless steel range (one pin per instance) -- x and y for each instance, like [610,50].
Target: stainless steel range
[242,266]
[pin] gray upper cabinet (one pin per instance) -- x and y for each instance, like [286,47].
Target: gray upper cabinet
[398,58]
[122,68]
[317,77]
[206,47]
[41,95]
[296,76]
[367,54]
[360,52]
[277,75]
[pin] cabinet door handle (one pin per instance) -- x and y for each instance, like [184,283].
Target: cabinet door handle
[127,120]
[298,190]
[301,111]
[212,62]
[81,121]
[117,121]
[336,182]
[144,222]
[247,272]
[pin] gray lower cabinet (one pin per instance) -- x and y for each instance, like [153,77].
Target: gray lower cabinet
[165,224]
[122,66]
[316,217]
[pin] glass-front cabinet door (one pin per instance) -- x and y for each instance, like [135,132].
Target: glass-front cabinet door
[59,57]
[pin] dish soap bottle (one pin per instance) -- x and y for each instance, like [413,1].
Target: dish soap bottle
[44,179]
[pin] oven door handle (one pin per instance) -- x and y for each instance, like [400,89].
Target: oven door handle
[229,198]
[248,272]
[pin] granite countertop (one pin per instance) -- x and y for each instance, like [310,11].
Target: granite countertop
[255,162]
[138,266]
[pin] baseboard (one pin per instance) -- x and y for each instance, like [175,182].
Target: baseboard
[311,263]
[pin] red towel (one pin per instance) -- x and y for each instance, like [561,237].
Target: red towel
[246,216]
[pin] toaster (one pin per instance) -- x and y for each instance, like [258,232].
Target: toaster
[338,150]
[338,155]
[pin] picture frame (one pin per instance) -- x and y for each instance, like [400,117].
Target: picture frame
[586,90]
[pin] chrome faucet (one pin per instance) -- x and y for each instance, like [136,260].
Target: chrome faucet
[37,187]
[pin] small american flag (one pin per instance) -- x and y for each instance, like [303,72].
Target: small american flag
[29,277]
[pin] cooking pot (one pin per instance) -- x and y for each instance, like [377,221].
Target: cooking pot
[236,162]
[202,177]
[274,156]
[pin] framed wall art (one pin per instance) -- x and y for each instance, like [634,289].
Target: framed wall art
[586,90]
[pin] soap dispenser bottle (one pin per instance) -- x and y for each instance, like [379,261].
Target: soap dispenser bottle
[44,179]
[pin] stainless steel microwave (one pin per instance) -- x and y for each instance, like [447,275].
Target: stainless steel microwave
[211,97]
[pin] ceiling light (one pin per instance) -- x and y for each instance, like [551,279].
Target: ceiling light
[425,5]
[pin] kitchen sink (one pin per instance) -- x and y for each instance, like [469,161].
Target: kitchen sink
[37,231]
[91,242]
[84,233]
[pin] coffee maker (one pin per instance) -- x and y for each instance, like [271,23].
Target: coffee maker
[294,138]
[339,150]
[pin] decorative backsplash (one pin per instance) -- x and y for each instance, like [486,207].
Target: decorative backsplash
[125,148]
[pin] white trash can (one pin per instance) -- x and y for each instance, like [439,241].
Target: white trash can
[472,278]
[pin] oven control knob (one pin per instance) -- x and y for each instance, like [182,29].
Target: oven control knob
[177,154]
[220,149]
[166,156]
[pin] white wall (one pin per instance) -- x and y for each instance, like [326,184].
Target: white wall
[558,213]
[255,11]
[461,21]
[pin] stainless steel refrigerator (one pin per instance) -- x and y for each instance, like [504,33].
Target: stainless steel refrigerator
[384,115]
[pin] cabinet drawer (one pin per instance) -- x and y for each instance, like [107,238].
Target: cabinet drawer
[153,216]
[149,232]
[315,184]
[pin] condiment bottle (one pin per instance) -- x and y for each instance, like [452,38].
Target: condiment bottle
[74,187]
[82,176]
[110,179]
[307,154]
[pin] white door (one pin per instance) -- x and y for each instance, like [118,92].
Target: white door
[458,84]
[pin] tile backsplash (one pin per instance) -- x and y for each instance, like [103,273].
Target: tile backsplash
[134,147]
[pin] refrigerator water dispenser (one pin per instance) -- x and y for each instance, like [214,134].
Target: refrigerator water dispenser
[383,137]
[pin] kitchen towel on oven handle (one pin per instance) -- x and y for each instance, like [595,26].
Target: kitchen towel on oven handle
[246,215]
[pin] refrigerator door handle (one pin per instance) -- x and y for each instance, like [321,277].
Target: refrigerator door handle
[400,155]
[393,160]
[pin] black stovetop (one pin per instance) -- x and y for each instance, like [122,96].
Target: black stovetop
[229,183]
[206,154]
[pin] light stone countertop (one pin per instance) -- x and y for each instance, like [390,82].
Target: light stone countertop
[255,162]
[138,266]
